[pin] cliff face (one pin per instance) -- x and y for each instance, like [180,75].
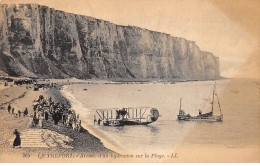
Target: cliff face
[39,41]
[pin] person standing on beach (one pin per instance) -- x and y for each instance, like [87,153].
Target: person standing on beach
[34,107]
[94,119]
[19,113]
[99,120]
[64,118]
[51,109]
[46,115]
[13,110]
[79,126]
[9,108]
[25,113]
[55,117]
[17,140]
[74,125]
[77,118]
[50,101]
[69,120]
[35,120]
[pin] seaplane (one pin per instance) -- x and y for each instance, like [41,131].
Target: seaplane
[127,116]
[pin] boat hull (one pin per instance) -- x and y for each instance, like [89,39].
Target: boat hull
[206,119]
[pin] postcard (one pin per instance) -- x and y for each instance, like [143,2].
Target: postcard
[140,81]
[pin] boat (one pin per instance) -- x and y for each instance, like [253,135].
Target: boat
[127,116]
[209,117]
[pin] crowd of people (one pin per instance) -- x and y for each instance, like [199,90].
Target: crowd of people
[45,85]
[43,108]
[23,81]
[37,84]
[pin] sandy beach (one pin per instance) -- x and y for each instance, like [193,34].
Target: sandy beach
[23,96]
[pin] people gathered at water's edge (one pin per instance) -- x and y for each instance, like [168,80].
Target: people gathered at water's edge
[43,108]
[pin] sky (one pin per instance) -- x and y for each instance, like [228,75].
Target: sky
[216,26]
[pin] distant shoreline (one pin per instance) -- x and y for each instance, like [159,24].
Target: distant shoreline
[123,80]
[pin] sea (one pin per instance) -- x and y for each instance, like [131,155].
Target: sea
[167,133]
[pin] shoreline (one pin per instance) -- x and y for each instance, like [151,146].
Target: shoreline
[58,96]
[23,96]
[106,143]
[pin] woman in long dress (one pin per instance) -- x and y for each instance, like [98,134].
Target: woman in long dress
[17,140]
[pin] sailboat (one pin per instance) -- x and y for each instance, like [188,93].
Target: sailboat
[203,117]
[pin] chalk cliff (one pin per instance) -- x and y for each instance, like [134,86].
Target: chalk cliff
[38,41]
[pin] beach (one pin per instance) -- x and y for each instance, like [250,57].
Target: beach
[23,96]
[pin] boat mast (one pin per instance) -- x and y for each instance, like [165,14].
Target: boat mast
[180,103]
[213,98]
